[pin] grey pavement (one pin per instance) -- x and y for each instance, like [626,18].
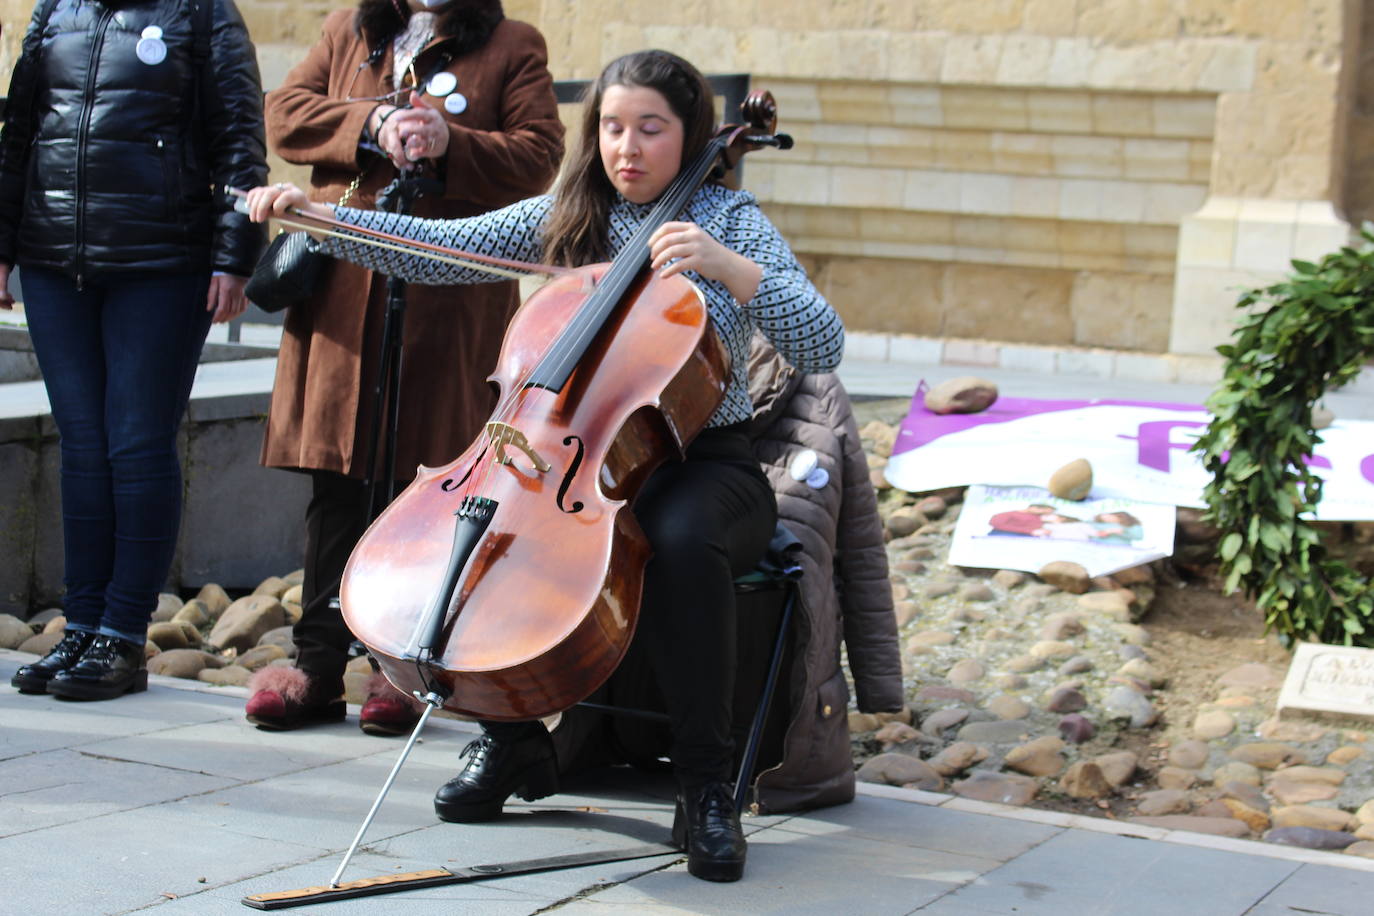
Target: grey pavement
[170,800]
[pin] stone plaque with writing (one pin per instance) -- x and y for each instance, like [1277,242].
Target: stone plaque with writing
[1330,679]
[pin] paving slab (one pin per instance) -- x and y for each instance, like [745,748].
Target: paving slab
[325,802]
[1318,890]
[806,873]
[1081,872]
[120,862]
[66,786]
[231,748]
[926,826]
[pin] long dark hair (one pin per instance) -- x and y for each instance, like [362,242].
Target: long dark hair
[469,23]
[575,233]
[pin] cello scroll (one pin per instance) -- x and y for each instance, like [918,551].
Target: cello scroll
[760,113]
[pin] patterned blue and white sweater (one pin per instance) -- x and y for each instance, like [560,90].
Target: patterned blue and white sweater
[787,308]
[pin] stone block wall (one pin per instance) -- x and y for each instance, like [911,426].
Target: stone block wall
[1029,215]
[1034,171]
[240,522]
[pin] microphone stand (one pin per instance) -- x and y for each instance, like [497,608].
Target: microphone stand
[397,197]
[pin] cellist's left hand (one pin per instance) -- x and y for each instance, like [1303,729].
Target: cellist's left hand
[688,247]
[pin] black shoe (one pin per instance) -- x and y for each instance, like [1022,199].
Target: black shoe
[34,678]
[706,826]
[496,769]
[110,667]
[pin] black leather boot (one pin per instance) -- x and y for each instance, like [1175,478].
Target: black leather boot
[34,678]
[496,769]
[706,826]
[110,667]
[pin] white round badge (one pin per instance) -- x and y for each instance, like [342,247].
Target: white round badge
[818,478]
[151,51]
[441,84]
[154,32]
[803,464]
[457,103]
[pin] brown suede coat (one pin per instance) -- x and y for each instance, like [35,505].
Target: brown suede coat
[845,592]
[504,147]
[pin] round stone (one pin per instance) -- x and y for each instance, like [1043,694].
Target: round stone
[942,719]
[1066,699]
[1190,755]
[1008,707]
[1076,665]
[966,671]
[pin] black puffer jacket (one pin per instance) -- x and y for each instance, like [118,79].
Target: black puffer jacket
[113,169]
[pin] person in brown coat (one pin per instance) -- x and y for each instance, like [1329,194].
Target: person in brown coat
[491,140]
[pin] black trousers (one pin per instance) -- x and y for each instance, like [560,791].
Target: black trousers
[335,519]
[709,519]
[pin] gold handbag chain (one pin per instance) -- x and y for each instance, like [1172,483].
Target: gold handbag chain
[348,191]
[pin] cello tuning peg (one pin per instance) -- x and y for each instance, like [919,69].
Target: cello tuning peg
[777,141]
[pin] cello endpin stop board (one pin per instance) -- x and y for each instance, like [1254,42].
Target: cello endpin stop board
[436,877]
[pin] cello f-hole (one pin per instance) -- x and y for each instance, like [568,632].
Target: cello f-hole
[449,485]
[571,473]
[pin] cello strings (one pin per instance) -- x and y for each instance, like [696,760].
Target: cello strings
[592,314]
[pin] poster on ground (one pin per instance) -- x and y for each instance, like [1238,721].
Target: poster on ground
[1025,527]
[1138,450]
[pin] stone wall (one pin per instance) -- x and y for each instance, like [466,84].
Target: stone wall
[1100,173]
[240,522]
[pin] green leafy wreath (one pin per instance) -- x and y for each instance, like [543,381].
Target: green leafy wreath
[1300,338]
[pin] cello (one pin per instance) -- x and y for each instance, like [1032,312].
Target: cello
[505,585]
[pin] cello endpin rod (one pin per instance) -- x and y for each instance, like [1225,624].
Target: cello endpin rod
[432,702]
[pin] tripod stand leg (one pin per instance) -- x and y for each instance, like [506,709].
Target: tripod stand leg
[432,702]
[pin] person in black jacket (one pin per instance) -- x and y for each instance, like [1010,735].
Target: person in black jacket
[124,116]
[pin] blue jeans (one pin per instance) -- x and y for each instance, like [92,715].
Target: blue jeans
[118,358]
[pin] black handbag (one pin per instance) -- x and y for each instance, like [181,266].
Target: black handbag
[288,272]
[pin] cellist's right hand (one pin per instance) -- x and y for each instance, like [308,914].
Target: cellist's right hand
[281,198]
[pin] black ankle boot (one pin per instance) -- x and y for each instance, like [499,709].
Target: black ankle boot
[34,678]
[496,769]
[706,826]
[110,667]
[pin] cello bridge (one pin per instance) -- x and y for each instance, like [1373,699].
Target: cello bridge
[502,435]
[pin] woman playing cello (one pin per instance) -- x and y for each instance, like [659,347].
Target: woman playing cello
[709,517]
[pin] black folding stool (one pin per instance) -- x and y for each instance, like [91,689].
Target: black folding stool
[778,572]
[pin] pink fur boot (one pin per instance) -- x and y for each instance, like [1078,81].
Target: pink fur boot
[387,711]
[282,699]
